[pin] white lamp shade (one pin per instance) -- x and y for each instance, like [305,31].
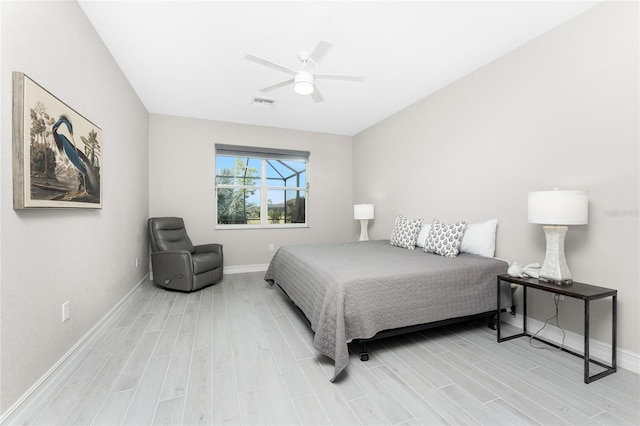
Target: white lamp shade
[558,207]
[362,211]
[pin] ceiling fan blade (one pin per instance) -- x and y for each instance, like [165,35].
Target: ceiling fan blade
[269,64]
[316,95]
[276,86]
[339,77]
[320,52]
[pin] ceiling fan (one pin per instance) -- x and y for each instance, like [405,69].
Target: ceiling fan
[304,80]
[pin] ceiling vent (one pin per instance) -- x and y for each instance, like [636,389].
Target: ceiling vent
[264,103]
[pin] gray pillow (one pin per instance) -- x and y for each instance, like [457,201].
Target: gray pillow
[445,239]
[405,232]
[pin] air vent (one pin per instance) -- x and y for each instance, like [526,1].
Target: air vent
[265,103]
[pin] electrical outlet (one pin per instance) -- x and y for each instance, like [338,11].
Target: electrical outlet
[270,247]
[560,297]
[65,311]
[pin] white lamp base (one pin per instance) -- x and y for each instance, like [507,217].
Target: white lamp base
[364,235]
[555,269]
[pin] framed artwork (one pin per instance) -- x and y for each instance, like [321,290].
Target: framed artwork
[56,151]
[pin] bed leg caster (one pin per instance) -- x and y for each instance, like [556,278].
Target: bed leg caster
[364,355]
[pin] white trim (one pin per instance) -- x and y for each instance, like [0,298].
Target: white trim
[239,269]
[53,386]
[574,341]
[222,227]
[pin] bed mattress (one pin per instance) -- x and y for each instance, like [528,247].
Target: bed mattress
[355,290]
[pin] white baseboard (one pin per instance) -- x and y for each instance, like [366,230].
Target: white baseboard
[574,341]
[69,355]
[239,269]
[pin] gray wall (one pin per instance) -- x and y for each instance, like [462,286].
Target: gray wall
[181,183]
[84,256]
[561,111]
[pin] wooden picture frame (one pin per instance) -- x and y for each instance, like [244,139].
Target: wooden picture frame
[56,151]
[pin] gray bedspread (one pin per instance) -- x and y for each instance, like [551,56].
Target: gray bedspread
[355,290]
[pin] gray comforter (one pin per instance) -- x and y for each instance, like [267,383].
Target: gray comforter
[355,290]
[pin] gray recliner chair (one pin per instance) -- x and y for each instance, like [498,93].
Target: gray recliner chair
[176,263]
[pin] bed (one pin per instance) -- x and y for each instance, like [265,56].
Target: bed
[362,290]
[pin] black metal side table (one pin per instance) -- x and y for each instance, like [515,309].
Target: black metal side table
[585,292]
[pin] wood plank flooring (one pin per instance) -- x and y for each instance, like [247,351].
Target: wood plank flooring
[239,353]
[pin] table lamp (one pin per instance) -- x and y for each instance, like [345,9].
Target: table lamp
[556,209]
[363,212]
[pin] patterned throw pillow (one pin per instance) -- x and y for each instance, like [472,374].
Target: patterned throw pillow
[405,232]
[445,239]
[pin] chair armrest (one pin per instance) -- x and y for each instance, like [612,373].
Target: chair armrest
[168,265]
[208,248]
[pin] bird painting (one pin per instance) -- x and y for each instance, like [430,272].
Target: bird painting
[57,151]
[66,146]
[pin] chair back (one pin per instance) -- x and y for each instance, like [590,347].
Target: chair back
[168,233]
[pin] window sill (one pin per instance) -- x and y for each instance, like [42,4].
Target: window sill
[247,227]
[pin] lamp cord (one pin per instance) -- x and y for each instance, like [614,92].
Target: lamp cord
[556,299]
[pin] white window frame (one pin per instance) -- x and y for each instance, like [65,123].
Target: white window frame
[263,154]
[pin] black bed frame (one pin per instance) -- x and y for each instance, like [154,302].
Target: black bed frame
[490,316]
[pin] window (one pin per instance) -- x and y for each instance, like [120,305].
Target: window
[260,187]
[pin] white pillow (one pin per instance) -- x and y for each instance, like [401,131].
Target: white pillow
[445,239]
[405,232]
[480,238]
[423,234]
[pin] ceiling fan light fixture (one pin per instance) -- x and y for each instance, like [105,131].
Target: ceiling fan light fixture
[303,83]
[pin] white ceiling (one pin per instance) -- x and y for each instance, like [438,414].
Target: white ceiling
[186,58]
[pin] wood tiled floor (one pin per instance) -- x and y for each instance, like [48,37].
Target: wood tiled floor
[239,353]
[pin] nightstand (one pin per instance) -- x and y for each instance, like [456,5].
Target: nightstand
[584,292]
